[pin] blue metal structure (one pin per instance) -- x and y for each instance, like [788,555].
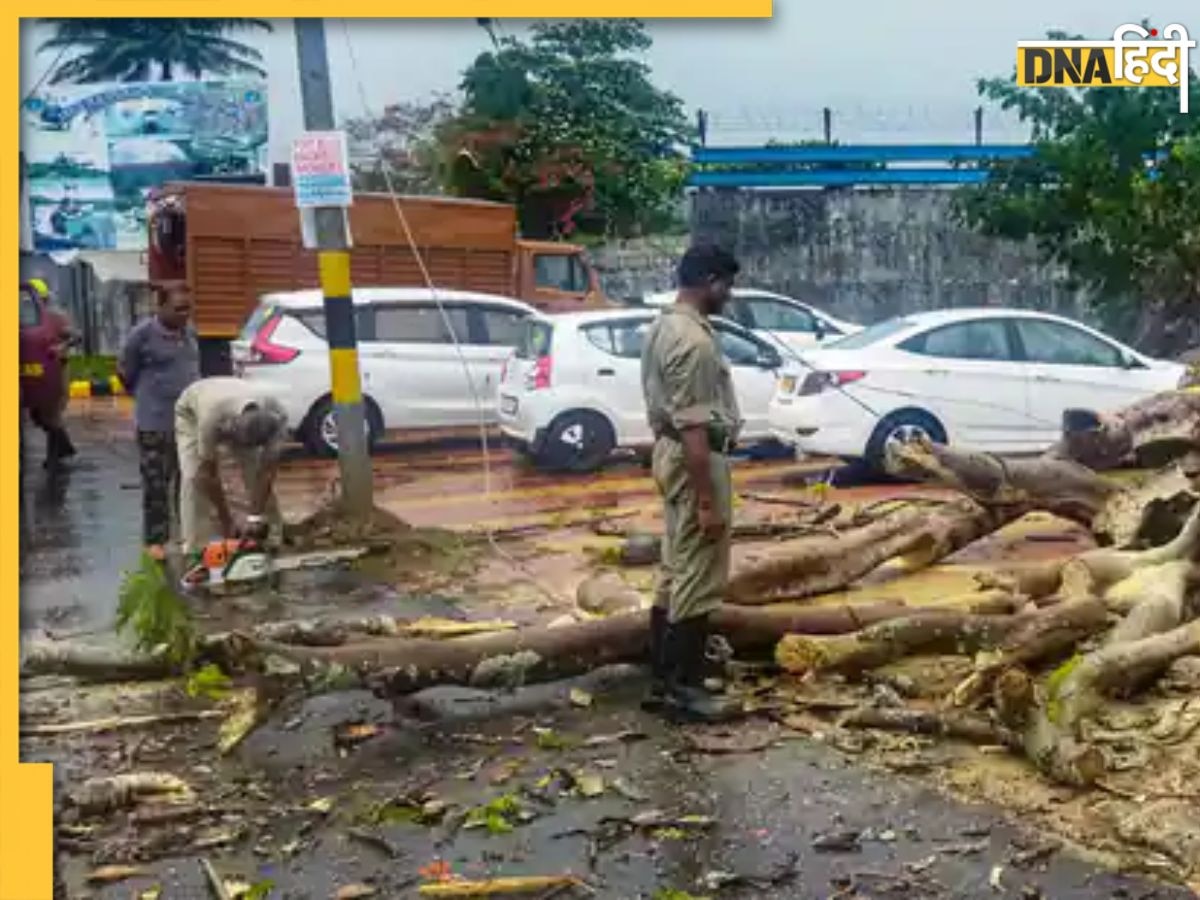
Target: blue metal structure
[859,153]
[941,167]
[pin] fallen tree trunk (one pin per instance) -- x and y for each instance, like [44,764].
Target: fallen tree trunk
[811,566]
[1049,634]
[510,658]
[935,724]
[933,633]
[1059,486]
[1076,689]
[1151,510]
[1148,433]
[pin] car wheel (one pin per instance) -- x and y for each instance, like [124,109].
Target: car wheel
[319,431]
[901,427]
[577,441]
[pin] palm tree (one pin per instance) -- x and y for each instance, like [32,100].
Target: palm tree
[132,49]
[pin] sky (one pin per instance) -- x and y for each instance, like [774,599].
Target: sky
[901,72]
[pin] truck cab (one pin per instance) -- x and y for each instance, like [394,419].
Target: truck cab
[556,277]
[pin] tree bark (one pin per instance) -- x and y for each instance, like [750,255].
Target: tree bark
[1076,689]
[509,658]
[1149,433]
[1059,486]
[947,632]
[1048,634]
[811,566]
[936,724]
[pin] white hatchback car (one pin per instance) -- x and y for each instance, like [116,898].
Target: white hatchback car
[572,392]
[412,375]
[793,326]
[996,380]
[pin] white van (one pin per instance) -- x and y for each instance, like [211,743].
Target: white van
[412,375]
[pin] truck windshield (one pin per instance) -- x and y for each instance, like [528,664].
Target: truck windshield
[560,272]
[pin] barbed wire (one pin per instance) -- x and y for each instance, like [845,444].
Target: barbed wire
[861,123]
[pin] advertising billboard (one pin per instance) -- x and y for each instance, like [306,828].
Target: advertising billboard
[94,152]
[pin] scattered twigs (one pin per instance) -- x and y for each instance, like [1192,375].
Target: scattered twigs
[117,723]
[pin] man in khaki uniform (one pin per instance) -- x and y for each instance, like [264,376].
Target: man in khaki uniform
[252,426]
[694,415]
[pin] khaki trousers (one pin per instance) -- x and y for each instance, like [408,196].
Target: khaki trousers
[695,570]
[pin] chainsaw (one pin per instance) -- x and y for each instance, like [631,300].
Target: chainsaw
[246,561]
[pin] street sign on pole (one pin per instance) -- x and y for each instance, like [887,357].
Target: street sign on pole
[321,170]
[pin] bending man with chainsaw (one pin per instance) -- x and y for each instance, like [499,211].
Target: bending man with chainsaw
[694,415]
[251,425]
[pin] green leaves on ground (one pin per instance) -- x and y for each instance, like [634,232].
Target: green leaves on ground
[157,616]
[498,816]
[208,682]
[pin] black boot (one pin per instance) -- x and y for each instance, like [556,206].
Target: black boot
[66,449]
[53,449]
[657,693]
[689,695]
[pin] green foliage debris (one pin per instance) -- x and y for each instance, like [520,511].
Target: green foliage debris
[208,682]
[155,614]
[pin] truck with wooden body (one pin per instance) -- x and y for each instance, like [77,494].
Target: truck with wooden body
[233,243]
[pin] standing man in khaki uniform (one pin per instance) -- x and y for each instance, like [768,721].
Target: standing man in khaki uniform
[694,415]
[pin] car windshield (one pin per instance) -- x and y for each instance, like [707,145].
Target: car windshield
[872,335]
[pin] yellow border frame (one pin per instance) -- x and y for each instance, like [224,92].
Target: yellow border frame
[26,791]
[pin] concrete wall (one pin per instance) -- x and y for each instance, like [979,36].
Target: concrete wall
[864,255]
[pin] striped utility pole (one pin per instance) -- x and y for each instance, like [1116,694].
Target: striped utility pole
[333,252]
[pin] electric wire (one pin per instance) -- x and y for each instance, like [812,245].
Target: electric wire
[427,277]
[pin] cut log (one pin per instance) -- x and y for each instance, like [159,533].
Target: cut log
[812,566]
[929,632]
[936,724]
[1049,634]
[510,658]
[1076,689]
[1029,637]
[1150,511]
[1059,486]
[1161,591]
[1107,572]
[1149,433]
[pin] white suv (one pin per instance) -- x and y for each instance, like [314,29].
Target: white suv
[412,375]
[572,391]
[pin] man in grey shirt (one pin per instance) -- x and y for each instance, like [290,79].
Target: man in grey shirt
[160,359]
[252,425]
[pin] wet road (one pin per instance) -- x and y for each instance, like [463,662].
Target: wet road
[796,811]
[790,800]
[81,529]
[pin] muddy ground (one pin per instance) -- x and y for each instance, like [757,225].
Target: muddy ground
[337,790]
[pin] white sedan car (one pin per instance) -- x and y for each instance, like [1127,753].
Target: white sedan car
[996,380]
[572,391]
[793,326]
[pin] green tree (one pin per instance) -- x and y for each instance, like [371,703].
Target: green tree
[569,127]
[151,49]
[1112,193]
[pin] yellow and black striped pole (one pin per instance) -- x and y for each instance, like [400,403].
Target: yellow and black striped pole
[333,245]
